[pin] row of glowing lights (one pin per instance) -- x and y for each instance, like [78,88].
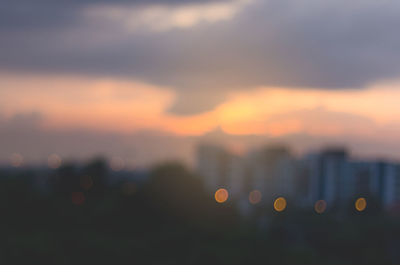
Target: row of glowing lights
[54,161]
[280,204]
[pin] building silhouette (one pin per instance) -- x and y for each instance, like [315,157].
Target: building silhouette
[330,174]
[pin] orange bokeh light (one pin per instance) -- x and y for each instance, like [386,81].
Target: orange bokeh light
[255,196]
[361,204]
[280,204]
[320,206]
[221,195]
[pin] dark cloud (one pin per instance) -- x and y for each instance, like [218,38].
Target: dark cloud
[43,14]
[298,43]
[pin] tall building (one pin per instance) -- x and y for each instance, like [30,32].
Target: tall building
[213,164]
[329,175]
[330,179]
[221,169]
[272,172]
[387,183]
[363,179]
[378,179]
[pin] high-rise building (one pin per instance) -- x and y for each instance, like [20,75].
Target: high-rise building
[272,171]
[213,163]
[221,169]
[378,179]
[329,176]
[386,183]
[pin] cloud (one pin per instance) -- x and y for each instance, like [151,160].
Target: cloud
[125,106]
[103,104]
[165,17]
[320,121]
[47,14]
[293,43]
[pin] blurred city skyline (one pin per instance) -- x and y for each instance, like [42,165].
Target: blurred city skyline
[144,149]
[200,132]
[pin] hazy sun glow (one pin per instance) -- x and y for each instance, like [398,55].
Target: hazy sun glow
[127,106]
[278,111]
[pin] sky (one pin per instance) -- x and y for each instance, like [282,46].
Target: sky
[147,80]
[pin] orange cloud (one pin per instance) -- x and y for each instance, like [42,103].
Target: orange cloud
[104,104]
[279,111]
[126,106]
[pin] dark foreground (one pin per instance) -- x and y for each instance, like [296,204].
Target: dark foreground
[78,215]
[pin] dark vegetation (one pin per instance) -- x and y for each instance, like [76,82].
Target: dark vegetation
[80,216]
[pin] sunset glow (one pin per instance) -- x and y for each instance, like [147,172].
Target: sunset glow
[126,106]
[186,71]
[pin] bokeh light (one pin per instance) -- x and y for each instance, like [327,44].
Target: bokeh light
[255,196]
[54,161]
[77,198]
[361,204]
[117,164]
[86,182]
[221,195]
[320,206]
[280,204]
[16,160]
